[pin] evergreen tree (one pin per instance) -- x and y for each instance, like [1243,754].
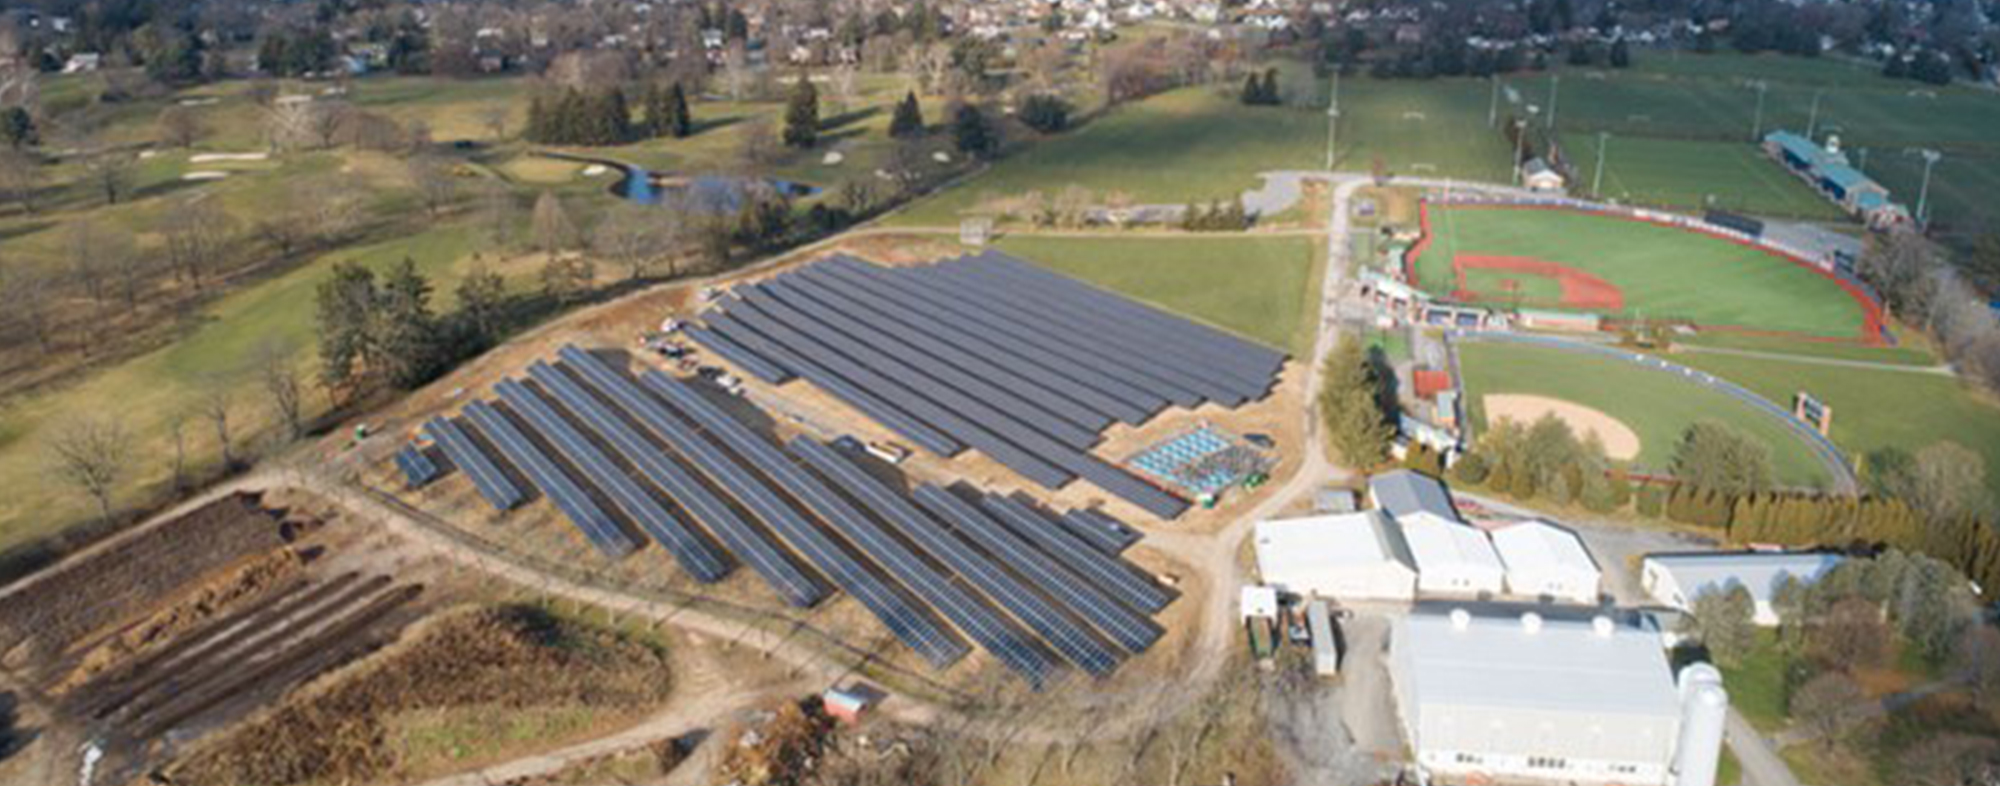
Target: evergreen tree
[802,115]
[17,128]
[1270,90]
[409,334]
[1253,90]
[680,121]
[344,316]
[482,305]
[972,133]
[1621,54]
[908,122]
[1349,403]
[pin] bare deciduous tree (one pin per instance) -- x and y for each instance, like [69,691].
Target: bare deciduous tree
[91,455]
[180,126]
[216,403]
[110,170]
[26,296]
[494,119]
[554,232]
[736,70]
[434,181]
[758,144]
[280,376]
[1829,706]
[177,435]
[20,179]
[633,237]
[196,232]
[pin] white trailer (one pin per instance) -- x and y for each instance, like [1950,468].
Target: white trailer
[1326,648]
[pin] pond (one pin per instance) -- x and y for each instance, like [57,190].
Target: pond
[714,193]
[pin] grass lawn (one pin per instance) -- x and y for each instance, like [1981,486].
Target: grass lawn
[1664,273]
[1428,128]
[1757,685]
[147,392]
[1694,175]
[1911,352]
[1728,771]
[1194,144]
[1265,289]
[1657,407]
[1874,409]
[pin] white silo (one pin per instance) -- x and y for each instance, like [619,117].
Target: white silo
[1704,707]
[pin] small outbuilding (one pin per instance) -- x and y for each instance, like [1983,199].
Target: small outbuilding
[1351,556]
[1546,560]
[1678,580]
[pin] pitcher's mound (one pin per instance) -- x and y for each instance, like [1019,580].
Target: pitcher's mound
[1619,441]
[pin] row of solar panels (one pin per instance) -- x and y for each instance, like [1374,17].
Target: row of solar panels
[991,353]
[988,566]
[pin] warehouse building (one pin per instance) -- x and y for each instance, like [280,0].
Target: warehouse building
[1572,701]
[1677,580]
[1350,556]
[1545,560]
[1403,493]
[1453,558]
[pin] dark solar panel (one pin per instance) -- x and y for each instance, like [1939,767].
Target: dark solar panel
[1059,631]
[752,363]
[1109,573]
[1013,648]
[742,539]
[1103,531]
[495,486]
[418,469]
[1122,625]
[597,527]
[904,619]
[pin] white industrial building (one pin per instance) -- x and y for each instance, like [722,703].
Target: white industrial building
[1543,559]
[1678,579]
[1572,701]
[1349,556]
[1452,558]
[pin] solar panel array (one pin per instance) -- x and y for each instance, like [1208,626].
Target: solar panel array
[938,568]
[418,469]
[991,353]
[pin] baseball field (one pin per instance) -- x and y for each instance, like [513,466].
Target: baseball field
[1561,259]
[1655,407]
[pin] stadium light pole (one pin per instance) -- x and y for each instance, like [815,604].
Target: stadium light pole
[1812,121]
[1520,146]
[1332,119]
[1554,83]
[1757,123]
[1597,176]
[1924,192]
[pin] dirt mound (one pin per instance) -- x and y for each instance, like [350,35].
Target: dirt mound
[43,619]
[1580,290]
[195,606]
[1620,442]
[509,658]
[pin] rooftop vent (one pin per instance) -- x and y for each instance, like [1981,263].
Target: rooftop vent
[1531,622]
[1460,619]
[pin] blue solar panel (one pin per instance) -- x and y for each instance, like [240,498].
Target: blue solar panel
[1058,393]
[1109,573]
[920,300]
[1124,626]
[498,490]
[1251,355]
[1239,360]
[597,528]
[418,469]
[914,628]
[1059,631]
[1013,648]
[1156,353]
[1058,334]
[928,401]
[1102,531]
[891,417]
[770,562]
[696,556]
[752,363]
[912,357]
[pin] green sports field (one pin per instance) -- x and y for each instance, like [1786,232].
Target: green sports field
[1693,174]
[1654,405]
[1264,289]
[1662,272]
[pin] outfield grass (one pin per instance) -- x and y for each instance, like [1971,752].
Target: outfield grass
[1664,273]
[1265,289]
[1657,407]
[1874,409]
[1912,353]
[1693,175]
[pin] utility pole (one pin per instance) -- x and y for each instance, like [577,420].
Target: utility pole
[1757,124]
[1924,192]
[1332,119]
[1812,122]
[1493,104]
[1554,82]
[1597,177]
[1520,147]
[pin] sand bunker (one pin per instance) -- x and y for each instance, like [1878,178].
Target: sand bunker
[1619,441]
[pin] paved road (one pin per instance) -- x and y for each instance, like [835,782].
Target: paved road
[1761,765]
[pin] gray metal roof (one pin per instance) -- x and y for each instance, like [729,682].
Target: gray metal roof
[1403,492]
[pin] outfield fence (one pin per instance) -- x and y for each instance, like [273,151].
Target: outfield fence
[1873,328]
